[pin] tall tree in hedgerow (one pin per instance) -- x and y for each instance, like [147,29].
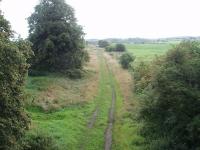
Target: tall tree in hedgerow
[57,38]
[13,70]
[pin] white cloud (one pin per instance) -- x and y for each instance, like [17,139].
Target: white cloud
[120,18]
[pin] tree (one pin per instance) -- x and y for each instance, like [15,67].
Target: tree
[103,43]
[171,111]
[57,38]
[120,48]
[126,59]
[13,70]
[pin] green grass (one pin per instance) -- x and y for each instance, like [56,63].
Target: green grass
[146,52]
[69,125]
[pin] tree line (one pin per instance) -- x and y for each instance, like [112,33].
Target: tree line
[55,44]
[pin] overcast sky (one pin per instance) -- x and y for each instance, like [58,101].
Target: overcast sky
[119,18]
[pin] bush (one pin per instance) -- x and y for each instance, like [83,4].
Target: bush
[13,71]
[126,59]
[170,109]
[103,43]
[38,142]
[110,48]
[120,48]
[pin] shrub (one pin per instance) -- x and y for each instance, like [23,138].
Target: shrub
[103,43]
[120,48]
[110,48]
[170,109]
[38,142]
[126,59]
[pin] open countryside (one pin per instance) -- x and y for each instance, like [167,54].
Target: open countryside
[60,91]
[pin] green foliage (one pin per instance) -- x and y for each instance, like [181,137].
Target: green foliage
[126,59]
[170,110]
[110,48]
[57,39]
[103,43]
[120,48]
[13,70]
[38,142]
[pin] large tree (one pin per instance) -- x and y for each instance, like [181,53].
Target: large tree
[57,38]
[13,70]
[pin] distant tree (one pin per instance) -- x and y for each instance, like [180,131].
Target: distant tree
[103,43]
[120,48]
[110,48]
[57,39]
[126,59]
[13,70]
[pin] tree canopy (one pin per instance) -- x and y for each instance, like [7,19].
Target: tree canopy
[57,39]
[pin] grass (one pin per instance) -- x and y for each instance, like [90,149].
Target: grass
[55,91]
[146,52]
[68,124]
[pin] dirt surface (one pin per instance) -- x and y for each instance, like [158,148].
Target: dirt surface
[93,118]
[108,134]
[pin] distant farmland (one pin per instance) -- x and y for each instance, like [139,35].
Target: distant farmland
[146,52]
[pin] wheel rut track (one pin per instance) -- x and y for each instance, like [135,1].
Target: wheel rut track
[111,117]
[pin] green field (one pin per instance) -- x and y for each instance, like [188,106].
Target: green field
[146,52]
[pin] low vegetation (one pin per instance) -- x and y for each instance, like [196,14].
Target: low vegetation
[103,43]
[116,48]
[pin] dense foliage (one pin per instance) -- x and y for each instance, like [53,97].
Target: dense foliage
[120,48]
[13,70]
[57,38]
[38,141]
[170,110]
[103,43]
[116,48]
[126,59]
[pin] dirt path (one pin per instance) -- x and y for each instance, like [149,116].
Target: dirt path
[108,133]
[93,118]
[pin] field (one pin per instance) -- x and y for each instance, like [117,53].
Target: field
[146,52]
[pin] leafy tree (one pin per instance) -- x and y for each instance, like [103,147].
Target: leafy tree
[13,70]
[120,48]
[110,48]
[57,38]
[171,111]
[103,43]
[126,59]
